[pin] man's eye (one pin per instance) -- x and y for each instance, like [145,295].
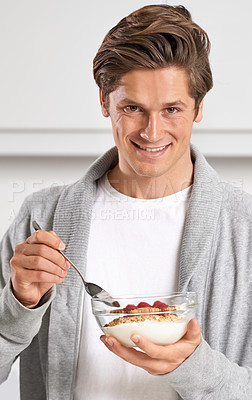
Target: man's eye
[131,108]
[171,110]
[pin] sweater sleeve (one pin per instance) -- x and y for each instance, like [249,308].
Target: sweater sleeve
[18,324]
[208,375]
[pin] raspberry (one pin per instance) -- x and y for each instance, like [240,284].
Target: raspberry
[160,305]
[143,305]
[129,307]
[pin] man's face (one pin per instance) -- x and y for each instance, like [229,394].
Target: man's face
[152,115]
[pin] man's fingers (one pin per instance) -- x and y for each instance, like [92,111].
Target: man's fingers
[53,233]
[47,238]
[44,252]
[35,263]
[151,349]
[39,254]
[135,357]
[129,354]
[38,276]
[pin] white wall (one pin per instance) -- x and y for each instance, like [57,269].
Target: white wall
[47,49]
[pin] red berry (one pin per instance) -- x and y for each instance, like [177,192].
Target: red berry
[159,304]
[142,304]
[129,307]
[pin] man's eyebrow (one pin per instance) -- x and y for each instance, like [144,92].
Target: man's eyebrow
[128,101]
[174,103]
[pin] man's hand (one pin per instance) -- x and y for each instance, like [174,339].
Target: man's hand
[155,359]
[36,266]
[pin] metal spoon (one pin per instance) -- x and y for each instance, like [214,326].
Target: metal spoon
[91,288]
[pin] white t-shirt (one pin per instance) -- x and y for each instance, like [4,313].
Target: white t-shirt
[133,249]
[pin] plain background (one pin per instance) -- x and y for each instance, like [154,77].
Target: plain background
[46,84]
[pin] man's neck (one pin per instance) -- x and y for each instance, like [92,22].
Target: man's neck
[149,187]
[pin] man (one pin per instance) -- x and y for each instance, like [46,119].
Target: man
[153,73]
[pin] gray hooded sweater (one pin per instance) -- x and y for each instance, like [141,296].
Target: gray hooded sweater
[215,261]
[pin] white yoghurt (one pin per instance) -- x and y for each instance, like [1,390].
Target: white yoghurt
[158,332]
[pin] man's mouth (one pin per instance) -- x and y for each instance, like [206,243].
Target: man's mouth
[150,149]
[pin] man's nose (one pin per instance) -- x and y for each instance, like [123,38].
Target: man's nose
[154,129]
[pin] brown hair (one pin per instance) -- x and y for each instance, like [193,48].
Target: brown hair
[153,37]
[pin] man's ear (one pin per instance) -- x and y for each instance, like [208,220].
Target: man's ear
[199,116]
[102,103]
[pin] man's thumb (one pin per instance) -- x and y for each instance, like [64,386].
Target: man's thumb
[193,329]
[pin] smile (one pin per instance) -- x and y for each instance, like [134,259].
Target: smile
[152,150]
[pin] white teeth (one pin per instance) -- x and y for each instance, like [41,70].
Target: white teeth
[151,150]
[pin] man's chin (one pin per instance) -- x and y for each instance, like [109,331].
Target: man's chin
[150,172]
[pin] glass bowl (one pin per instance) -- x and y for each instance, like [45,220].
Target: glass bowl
[161,319]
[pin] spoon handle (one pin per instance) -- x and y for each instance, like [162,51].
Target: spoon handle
[76,269]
